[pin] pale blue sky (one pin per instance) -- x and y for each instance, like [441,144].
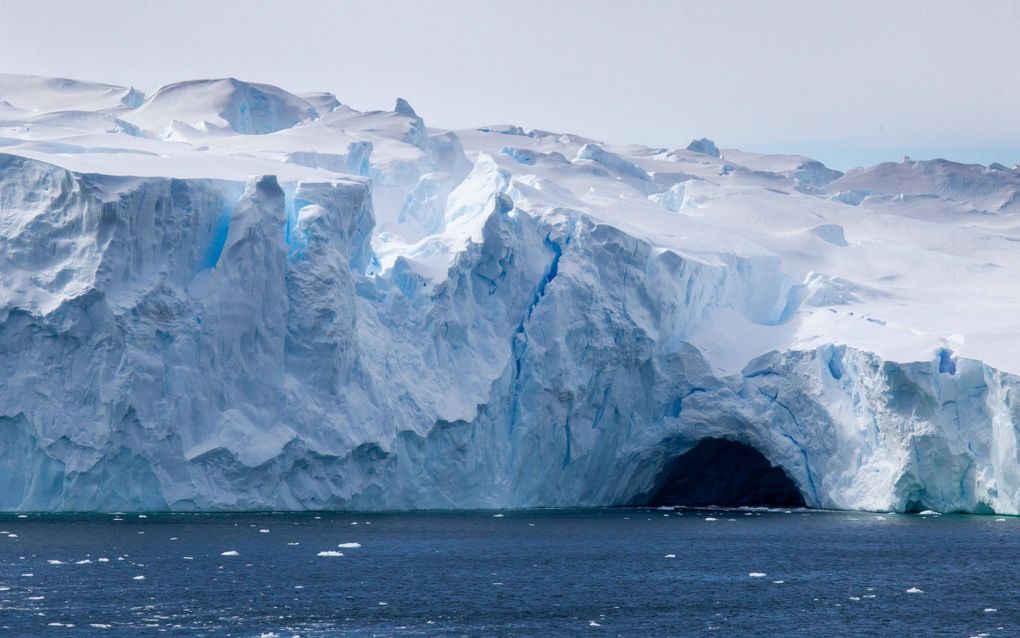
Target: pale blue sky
[849,83]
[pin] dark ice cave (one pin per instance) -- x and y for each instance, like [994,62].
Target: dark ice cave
[725,473]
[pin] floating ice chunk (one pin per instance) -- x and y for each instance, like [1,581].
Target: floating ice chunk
[592,623]
[757,574]
[83,561]
[915,590]
[230,553]
[1000,520]
[55,562]
[142,516]
[22,515]
[670,556]
[12,536]
[269,634]
[497,516]
[929,513]
[263,531]
[778,582]
[99,625]
[28,575]
[709,518]
[330,553]
[295,543]
[36,597]
[349,545]
[173,538]
[103,559]
[138,578]
[989,610]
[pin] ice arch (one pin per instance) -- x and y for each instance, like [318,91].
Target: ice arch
[726,473]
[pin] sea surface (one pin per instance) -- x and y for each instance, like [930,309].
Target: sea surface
[540,573]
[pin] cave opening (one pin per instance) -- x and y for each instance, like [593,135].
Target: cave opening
[724,473]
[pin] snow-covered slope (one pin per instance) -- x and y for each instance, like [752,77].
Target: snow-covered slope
[226,296]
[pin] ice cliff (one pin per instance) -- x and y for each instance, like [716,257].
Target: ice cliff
[221,295]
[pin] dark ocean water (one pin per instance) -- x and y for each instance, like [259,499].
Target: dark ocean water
[525,573]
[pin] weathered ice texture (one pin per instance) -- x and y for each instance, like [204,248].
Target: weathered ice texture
[224,296]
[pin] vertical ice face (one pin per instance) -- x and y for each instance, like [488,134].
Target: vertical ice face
[245,299]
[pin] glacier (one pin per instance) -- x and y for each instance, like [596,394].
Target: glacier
[225,296]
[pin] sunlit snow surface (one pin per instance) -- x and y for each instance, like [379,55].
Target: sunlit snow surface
[223,295]
[547,573]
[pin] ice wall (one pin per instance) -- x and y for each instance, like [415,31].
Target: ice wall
[282,306]
[203,344]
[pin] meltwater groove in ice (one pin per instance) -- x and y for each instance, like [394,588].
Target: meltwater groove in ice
[225,296]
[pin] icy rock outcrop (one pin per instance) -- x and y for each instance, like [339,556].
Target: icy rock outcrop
[704,146]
